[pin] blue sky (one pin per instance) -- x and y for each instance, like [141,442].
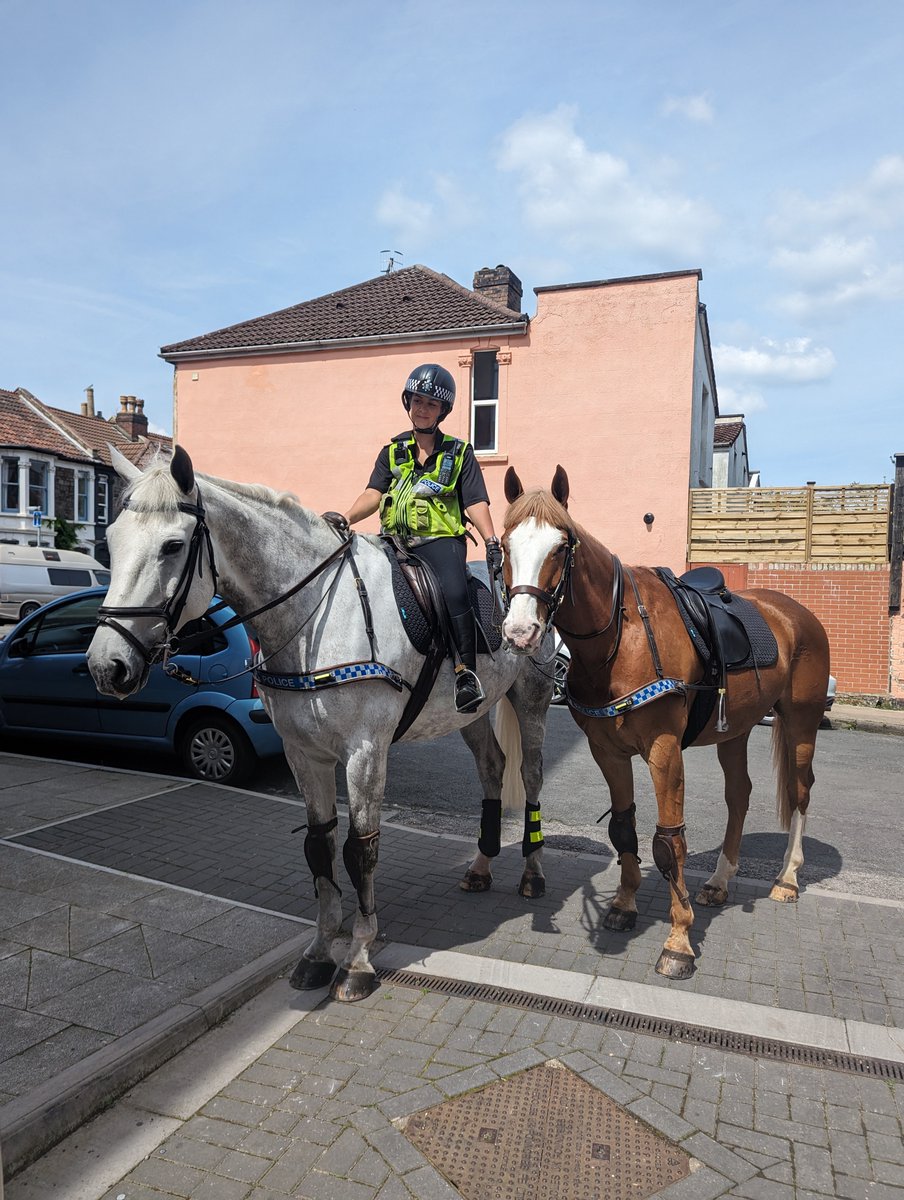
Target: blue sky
[172,167]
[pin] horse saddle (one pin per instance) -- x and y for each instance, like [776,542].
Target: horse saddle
[728,632]
[422,607]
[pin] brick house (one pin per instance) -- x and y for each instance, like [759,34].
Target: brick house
[611,378]
[58,462]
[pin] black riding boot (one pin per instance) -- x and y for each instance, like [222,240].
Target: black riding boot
[469,694]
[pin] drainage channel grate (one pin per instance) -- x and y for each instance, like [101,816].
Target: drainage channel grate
[678,1031]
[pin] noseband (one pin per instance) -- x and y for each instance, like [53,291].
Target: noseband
[553,599]
[171,609]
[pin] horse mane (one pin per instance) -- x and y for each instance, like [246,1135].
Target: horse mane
[157,491]
[542,506]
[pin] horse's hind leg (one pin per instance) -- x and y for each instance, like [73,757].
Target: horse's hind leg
[733,760]
[793,747]
[489,760]
[529,698]
[316,779]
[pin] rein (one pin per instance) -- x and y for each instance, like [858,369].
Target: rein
[171,609]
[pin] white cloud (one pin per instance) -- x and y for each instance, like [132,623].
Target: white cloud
[789,362]
[837,252]
[875,202]
[591,197]
[741,400]
[415,221]
[694,108]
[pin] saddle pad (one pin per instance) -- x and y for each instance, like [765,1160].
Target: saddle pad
[416,624]
[763,646]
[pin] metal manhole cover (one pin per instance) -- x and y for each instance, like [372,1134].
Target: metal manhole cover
[545,1134]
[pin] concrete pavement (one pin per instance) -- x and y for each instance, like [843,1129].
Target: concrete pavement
[136,912]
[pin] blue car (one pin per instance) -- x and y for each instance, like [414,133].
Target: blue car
[218,727]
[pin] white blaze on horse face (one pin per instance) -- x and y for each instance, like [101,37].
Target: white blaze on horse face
[529,546]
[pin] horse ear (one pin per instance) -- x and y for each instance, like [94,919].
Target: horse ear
[121,465]
[182,470]
[560,486]
[513,487]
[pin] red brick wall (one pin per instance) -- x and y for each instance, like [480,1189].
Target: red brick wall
[850,601]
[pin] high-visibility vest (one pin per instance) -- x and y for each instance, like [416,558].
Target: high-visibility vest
[423,503]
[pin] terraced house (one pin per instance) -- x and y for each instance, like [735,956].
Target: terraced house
[57,463]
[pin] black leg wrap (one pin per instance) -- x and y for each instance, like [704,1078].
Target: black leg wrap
[533,833]
[318,854]
[490,838]
[623,833]
[360,857]
[664,856]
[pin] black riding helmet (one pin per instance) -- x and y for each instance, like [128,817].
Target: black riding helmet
[434,382]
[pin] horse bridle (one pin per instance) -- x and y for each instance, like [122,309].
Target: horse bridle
[171,609]
[552,599]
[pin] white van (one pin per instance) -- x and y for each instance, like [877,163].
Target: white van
[32,575]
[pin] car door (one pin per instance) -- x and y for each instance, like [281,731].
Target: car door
[146,714]
[44,680]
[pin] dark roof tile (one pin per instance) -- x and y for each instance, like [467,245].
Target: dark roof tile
[726,433]
[412,300]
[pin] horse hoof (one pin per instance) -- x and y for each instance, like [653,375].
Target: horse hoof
[532,887]
[310,974]
[710,896]
[784,893]
[619,920]
[673,964]
[349,986]
[473,882]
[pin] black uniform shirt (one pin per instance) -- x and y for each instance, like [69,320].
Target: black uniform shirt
[470,487]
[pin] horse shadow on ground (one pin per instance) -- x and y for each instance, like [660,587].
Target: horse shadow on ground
[565,928]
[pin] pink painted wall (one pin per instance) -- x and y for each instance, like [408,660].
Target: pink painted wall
[603,383]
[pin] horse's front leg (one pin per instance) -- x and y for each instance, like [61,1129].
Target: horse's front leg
[616,769]
[733,760]
[315,775]
[670,851]
[490,763]
[366,777]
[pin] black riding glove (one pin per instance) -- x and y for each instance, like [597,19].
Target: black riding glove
[494,557]
[338,522]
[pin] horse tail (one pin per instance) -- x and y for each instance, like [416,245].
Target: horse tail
[780,761]
[508,735]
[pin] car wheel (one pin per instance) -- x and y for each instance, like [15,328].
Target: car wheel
[213,749]
[27,609]
[559,674]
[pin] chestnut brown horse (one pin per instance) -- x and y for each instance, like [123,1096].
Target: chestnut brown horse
[630,688]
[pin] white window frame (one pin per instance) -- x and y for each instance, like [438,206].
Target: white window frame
[33,467]
[83,497]
[102,504]
[9,478]
[485,402]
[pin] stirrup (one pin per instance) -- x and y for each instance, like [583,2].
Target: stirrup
[469,693]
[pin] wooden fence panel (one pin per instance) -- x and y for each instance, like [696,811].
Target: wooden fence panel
[793,525]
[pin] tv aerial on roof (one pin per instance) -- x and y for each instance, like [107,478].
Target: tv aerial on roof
[389,260]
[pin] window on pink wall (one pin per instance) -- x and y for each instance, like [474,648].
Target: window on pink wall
[485,401]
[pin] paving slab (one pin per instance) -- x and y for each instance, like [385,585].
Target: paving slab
[131,928]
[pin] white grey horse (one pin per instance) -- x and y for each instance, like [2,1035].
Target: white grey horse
[181,538]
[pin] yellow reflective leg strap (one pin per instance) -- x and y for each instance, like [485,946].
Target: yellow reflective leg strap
[533,833]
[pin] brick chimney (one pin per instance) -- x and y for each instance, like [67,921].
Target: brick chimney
[130,418]
[88,403]
[499,284]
